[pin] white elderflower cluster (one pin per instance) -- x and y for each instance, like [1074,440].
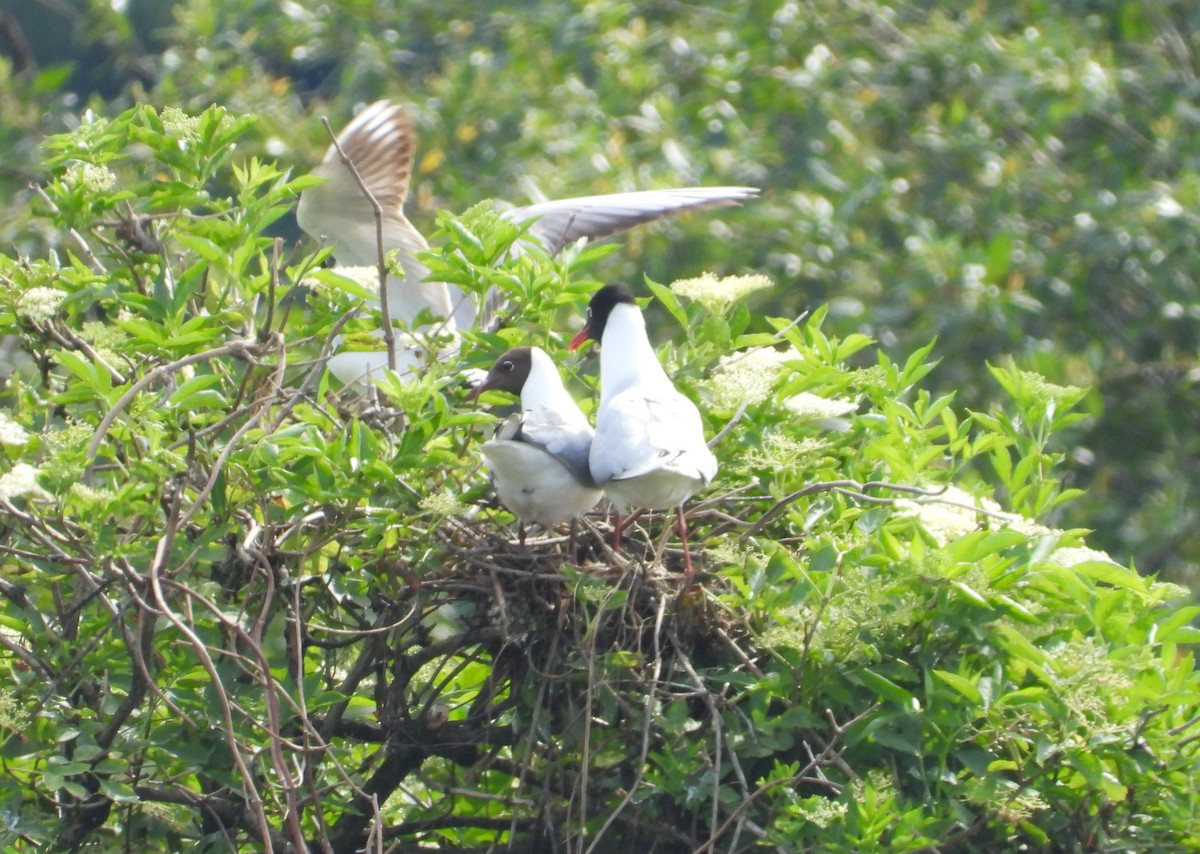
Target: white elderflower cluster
[1015,522]
[178,123]
[441,504]
[946,516]
[89,176]
[20,480]
[821,811]
[749,376]
[781,452]
[11,433]
[1072,555]
[718,293]
[814,407]
[40,304]
[90,495]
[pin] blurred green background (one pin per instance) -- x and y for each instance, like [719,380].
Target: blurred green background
[1019,180]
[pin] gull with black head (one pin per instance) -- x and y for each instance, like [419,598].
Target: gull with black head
[539,456]
[649,449]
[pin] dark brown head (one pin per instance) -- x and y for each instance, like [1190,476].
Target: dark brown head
[508,374]
[599,308]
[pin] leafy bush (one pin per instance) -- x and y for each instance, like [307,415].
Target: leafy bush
[1015,180]
[244,610]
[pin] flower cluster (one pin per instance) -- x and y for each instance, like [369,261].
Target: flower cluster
[20,480]
[92,178]
[11,433]
[40,304]
[178,123]
[946,516]
[717,294]
[748,377]
[812,406]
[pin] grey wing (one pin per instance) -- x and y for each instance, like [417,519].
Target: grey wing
[569,444]
[643,431]
[381,144]
[562,222]
[566,220]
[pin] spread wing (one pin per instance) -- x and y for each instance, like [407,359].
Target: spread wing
[645,429]
[562,222]
[381,144]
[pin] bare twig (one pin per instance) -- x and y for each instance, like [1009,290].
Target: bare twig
[389,334]
[240,349]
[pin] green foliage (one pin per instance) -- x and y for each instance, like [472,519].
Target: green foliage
[1018,181]
[242,609]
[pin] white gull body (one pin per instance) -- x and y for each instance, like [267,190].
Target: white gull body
[539,458]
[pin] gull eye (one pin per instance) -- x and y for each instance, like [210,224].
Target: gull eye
[507,365]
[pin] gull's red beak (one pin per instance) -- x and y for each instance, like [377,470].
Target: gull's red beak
[577,342]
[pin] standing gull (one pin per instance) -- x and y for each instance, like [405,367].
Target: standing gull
[649,448]
[539,458]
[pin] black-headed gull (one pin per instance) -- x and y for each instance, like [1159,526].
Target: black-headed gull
[380,144]
[539,458]
[649,448]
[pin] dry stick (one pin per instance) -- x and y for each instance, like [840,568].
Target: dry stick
[389,336]
[253,798]
[272,727]
[272,286]
[261,662]
[718,731]
[852,488]
[534,721]
[234,348]
[647,708]
[838,731]
[733,422]
[70,340]
[309,381]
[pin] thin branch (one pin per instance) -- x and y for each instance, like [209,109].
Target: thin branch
[240,349]
[389,334]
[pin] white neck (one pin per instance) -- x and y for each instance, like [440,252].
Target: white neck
[626,357]
[544,389]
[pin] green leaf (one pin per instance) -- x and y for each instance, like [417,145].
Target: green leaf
[670,302]
[961,684]
[884,687]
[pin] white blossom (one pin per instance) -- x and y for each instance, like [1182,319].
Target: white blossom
[11,433]
[813,406]
[21,480]
[1072,555]
[717,294]
[748,376]
[946,516]
[89,176]
[178,123]
[40,304]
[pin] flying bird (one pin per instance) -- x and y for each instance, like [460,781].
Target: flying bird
[649,449]
[380,142]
